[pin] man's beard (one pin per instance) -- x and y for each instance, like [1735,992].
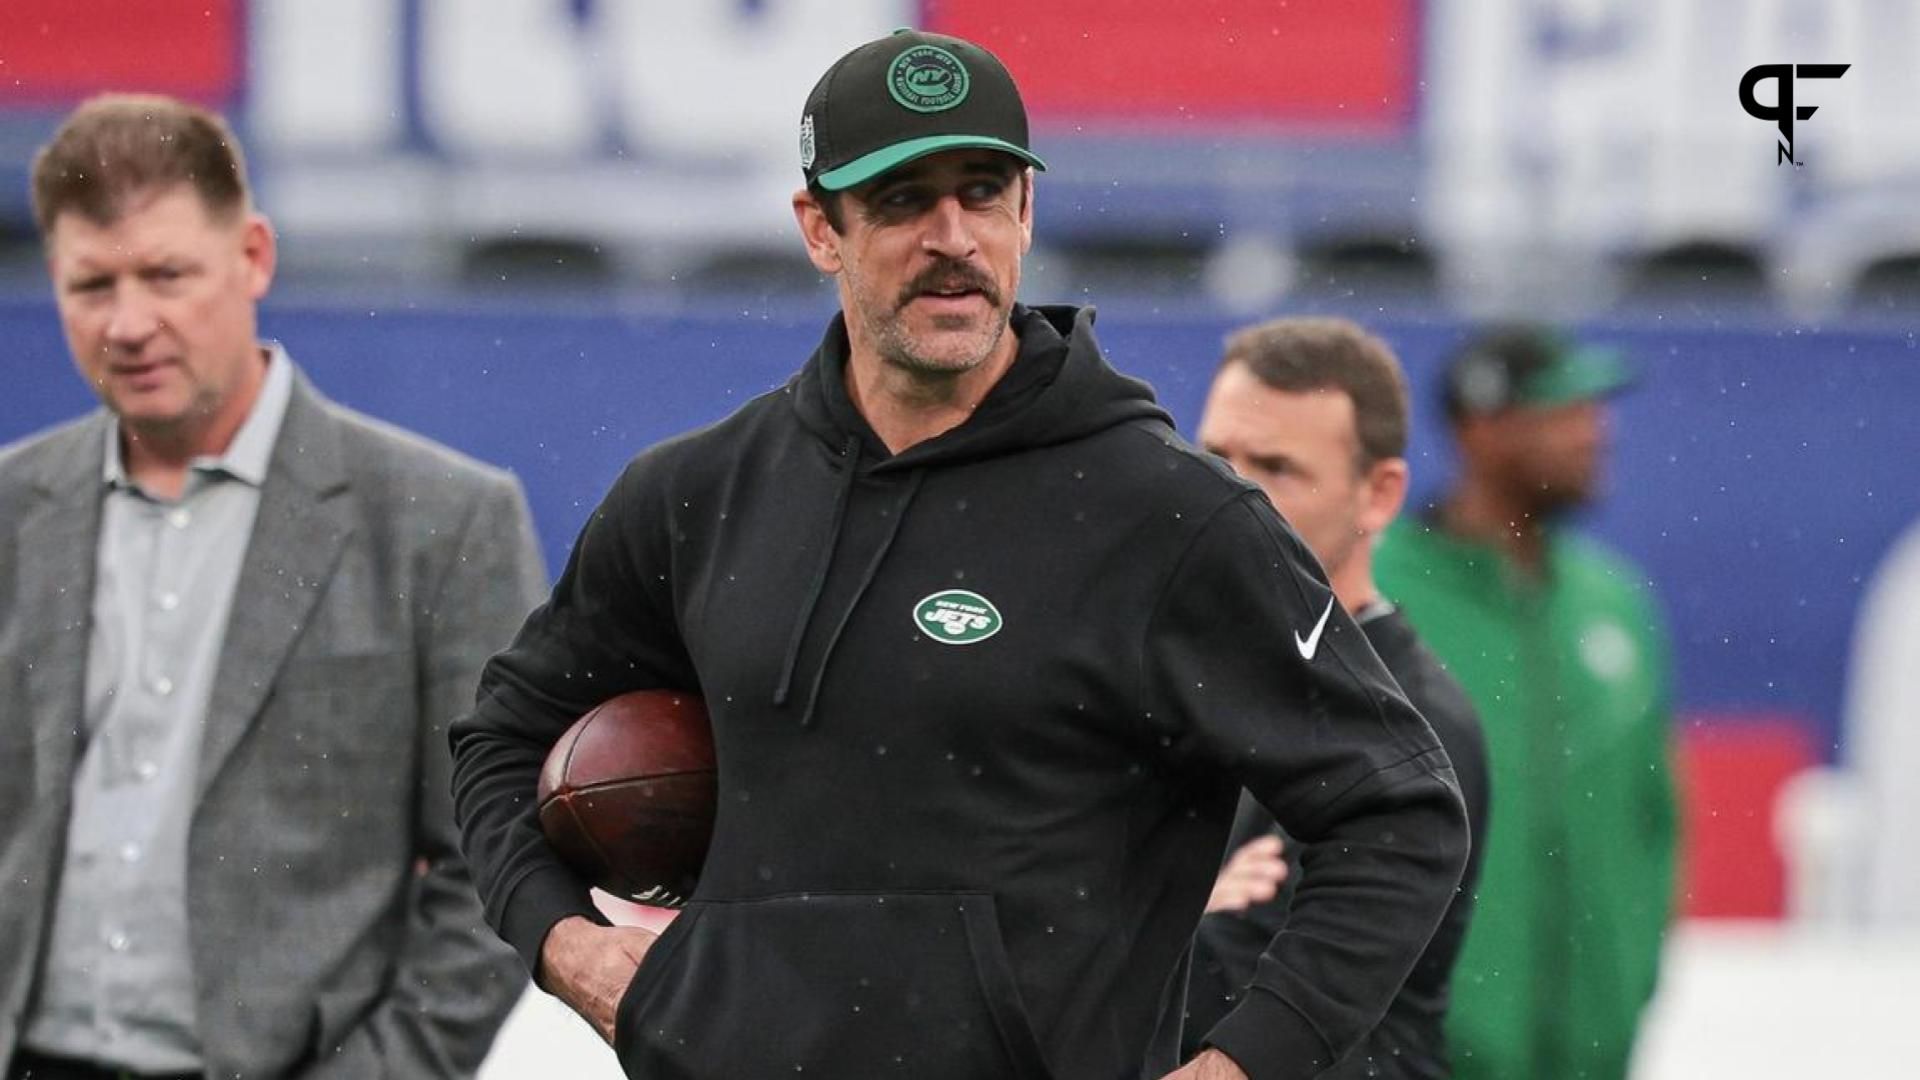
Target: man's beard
[899,348]
[1555,499]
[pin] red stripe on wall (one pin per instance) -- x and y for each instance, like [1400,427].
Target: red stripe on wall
[1346,64]
[1731,770]
[54,52]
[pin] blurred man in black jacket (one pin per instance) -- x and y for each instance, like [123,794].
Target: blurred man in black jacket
[1315,412]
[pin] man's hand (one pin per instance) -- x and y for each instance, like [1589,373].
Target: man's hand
[590,966]
[1210,1065]
[1252,876]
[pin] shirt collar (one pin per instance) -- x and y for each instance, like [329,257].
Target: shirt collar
[1379,608]
[248,455]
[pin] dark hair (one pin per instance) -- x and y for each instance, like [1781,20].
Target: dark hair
[1297,355]
[830,205]
[117,147]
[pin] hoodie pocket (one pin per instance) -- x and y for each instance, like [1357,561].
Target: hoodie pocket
[831,985]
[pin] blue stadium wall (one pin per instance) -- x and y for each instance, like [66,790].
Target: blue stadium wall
[1758,474]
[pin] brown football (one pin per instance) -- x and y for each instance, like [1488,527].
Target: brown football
[627,795]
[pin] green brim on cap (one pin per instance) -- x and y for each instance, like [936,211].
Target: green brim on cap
[862,169]
[1578,375]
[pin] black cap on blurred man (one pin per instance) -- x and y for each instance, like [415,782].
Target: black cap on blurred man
[1527,405]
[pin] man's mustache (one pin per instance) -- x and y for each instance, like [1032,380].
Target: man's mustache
[949,276]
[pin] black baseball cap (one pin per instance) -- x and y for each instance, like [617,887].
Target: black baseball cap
[905,96]
[1530,366]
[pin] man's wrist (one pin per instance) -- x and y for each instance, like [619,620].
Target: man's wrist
[557,946]
[1214,1064]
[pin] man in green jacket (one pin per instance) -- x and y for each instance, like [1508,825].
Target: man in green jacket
[1560,646]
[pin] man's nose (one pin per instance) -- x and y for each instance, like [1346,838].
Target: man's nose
[133,319]
[947,231]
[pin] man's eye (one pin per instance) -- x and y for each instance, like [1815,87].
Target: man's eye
[983,192]
[90,285]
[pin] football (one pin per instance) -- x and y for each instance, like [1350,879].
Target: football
[627,795]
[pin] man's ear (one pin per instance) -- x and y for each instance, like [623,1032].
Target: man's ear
[261,249]
[823,243]
[1383,492]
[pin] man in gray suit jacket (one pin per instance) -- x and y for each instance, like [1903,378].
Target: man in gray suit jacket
[235,619]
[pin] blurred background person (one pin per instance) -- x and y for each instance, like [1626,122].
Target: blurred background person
[1559,644]
[1314,411]
[235,621]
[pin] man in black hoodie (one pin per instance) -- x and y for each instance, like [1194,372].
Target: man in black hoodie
[989,654]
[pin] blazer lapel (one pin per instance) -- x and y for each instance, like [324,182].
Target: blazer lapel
[302,526]
[59,541]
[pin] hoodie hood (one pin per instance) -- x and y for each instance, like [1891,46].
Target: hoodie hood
[1059,388]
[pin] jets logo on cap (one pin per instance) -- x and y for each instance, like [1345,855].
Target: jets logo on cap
[806,141]
[928,78]
[956,617]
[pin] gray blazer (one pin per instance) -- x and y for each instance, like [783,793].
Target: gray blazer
[334,929]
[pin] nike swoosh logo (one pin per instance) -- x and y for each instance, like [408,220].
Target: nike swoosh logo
[1311,643]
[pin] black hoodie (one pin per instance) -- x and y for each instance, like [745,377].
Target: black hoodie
[982,711]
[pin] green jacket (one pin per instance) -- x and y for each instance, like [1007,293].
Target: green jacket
[1570,674]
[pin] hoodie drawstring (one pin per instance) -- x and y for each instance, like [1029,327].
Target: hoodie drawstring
[851,451]
[860,590]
